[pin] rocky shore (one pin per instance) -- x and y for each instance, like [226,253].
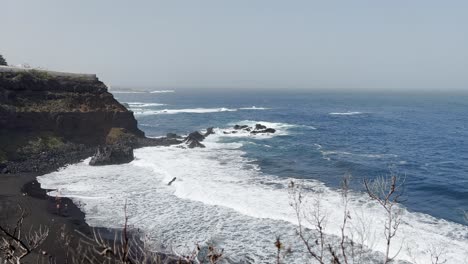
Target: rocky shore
[49,120]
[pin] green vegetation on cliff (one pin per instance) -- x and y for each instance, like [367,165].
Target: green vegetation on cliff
[45,111]
[2,61]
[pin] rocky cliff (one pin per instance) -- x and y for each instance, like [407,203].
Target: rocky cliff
[42,110]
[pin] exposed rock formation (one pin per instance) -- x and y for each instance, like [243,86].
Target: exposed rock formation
[209,131]
[193,140]
[78,109]
[263,131]
[172,135]
[42,111]
[118,149]
[237,127]
[112,154]
[258,129]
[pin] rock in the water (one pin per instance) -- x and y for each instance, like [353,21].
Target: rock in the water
[172,135]
[268,130]
[209,131]
[240,127]
[112,154]
[260,127]
[193,140]
[195,135]
[195,144]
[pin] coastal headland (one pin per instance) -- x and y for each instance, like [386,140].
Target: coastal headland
[48,120]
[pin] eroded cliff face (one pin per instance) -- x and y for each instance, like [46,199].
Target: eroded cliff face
[47,110]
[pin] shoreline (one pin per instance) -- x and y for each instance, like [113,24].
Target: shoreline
[63,218]
[23,190]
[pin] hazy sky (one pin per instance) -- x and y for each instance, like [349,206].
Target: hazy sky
[369,44]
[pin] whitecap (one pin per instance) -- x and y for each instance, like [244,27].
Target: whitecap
[254,108]
[275,125]
[163,91]
[143,105]
[346,153]
[346,113]
[127,92]
[183,111]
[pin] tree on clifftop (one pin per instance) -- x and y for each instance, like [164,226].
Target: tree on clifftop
[3,61]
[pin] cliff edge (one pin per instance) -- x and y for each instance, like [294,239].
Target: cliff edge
[45,111]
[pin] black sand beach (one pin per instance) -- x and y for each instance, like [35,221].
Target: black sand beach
[22,190]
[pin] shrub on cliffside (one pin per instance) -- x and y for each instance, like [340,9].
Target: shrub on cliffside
[3,61]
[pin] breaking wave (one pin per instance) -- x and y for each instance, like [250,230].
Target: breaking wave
[140,105]
[254,108]
[179,111]
[346,113]
[221,195]
[163,91]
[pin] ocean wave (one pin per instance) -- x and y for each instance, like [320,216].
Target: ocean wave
[254,108]
[183,111]
[137,109]
[346,113]
[215,196]
[142,105]
[127,92]
[163,91]
[345,153]
[275,125]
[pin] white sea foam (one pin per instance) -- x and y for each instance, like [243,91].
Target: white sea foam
[276,125]
[220,194]
[346,113]
[163,91]
[345,153]
[254,108]
[127,92]
[179,111]
[142,105]
[140,111]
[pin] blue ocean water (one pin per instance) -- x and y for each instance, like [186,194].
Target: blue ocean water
[422,138]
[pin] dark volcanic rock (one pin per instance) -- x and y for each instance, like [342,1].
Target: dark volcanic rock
[193,140]
[209,131]
[48,161]
[195,144]
[113,154]
[75,108]
[268,130]
[37,107]
[195,136]
[240,127]
[172,135]
[260,127]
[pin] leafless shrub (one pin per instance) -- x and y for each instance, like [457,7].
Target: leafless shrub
[387,191]
[314,241]
[15,244]
[436,255]
[355,237]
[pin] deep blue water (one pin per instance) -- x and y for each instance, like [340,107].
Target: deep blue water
[422,138]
